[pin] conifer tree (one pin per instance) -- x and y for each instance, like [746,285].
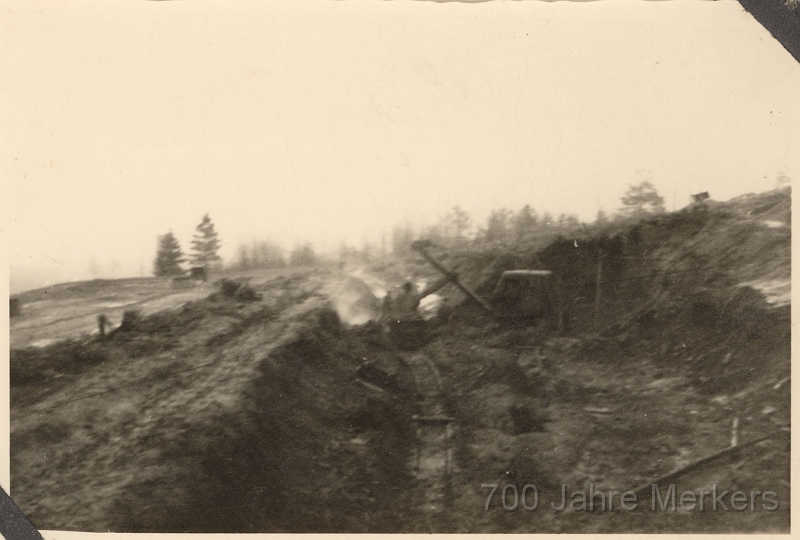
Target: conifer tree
[303,255]
[524,222]
[205,244]
[169,256]
[642,199]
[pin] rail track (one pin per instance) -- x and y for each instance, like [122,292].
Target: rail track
[433,461]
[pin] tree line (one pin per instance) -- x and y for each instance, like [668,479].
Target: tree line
[456,227]
[265,254]
[259,254]
[506,226]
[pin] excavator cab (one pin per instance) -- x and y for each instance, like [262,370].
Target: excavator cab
[522,296]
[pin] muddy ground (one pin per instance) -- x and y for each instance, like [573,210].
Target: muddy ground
[256,414]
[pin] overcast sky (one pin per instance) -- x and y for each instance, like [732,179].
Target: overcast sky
[329,121]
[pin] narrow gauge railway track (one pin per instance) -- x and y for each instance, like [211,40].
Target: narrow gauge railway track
[433,461]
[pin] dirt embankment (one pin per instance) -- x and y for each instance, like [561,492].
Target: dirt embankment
[676,347]
[710,284]
[221,416]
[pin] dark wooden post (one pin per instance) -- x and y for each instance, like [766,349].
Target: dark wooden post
[598,290]
[102,321]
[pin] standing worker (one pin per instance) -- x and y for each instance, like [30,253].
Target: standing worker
[407,300]
[406,329]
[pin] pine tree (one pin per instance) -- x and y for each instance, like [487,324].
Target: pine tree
[267,254]
[642,199]
[303,255]
[205,244]
[169,256]
[524,222]
[497,225]
[244,261]
[457,222]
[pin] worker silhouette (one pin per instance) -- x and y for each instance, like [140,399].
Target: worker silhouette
[407,300]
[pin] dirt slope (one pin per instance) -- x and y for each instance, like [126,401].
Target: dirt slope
[687,340]
[220,416]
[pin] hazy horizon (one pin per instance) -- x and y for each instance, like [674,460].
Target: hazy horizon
[332,122]
[27,278]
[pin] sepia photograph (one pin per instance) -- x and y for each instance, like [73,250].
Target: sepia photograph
[317,266]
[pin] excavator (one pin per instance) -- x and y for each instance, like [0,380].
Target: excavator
[521,297]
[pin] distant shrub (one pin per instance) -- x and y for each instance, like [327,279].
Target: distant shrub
[247,294]
[303,256]
[131,318]
[229,287]
[238,290]
[328,320]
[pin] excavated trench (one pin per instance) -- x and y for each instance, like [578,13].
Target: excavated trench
[674,360]
[285,430]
